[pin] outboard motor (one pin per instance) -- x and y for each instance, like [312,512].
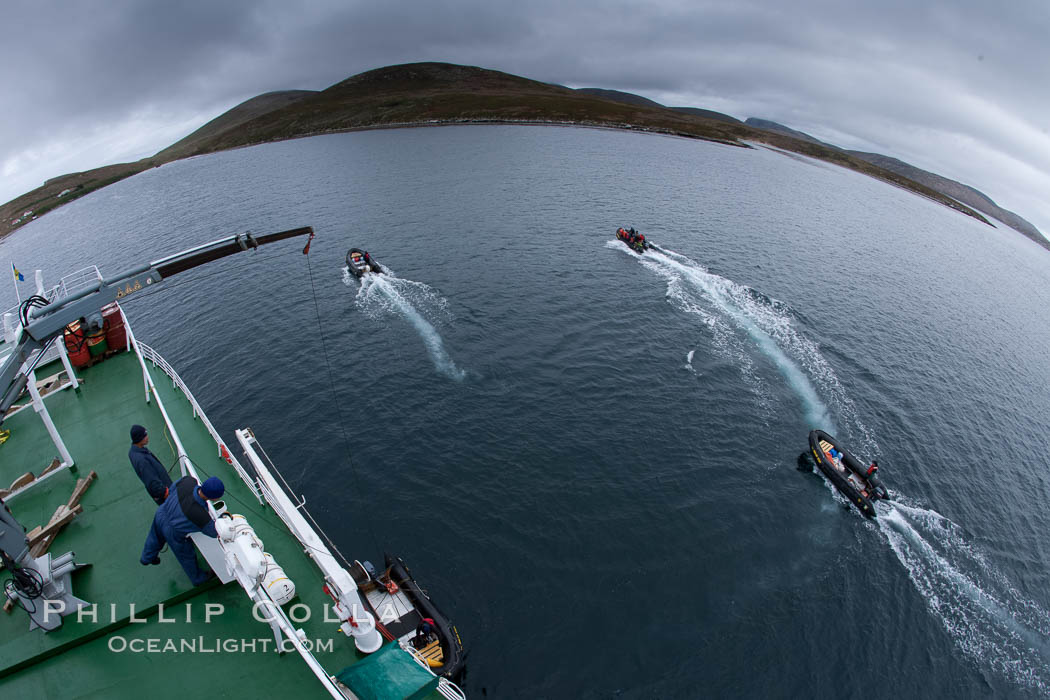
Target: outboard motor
[362,572]
[872,475]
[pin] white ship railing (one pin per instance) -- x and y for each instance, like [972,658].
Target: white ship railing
[75,282]
[185,467]
[446,687]
[278,620]
[176,381]
[336,578]
[70,284]
[294,516]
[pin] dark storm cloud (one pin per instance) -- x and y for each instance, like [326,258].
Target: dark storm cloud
[90,83]
[78,62]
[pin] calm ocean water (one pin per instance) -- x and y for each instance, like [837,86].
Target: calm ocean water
[589,458]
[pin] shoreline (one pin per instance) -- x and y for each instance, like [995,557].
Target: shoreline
[472,121]
[140,166]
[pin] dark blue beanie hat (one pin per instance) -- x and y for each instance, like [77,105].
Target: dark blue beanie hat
[213,488]
[137,433]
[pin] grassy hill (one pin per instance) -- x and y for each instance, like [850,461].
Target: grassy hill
[708,113]
[63,190]
[632,99]
[780,128]
[244,112]
[963,193]
[439,93]
[425,94]
[617,96]
[969,196]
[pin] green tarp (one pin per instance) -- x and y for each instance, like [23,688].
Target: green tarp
[388,674]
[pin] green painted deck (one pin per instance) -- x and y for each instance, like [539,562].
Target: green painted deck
[232,655]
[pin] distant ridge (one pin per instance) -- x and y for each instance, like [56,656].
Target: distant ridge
[617,96]
[433,94]
[964,193]
[417,94]
[244,112]
[709,114]
[781,129]
[632,99]
[956,190]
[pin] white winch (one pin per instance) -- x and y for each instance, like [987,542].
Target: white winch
[280,587]
[247,559]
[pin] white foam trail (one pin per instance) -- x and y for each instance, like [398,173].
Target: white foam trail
[987,617]
[690,286]
[724,339]
[383,294]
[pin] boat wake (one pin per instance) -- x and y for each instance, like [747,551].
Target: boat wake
[729,310]
[985,615]
[385,295]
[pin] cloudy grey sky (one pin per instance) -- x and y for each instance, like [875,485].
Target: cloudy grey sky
[958,87]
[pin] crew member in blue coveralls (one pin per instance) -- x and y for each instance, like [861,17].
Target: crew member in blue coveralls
[183,513]
[153,474]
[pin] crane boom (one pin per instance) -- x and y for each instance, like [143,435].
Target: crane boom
[48,322]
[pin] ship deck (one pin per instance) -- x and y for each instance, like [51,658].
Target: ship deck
[232,654]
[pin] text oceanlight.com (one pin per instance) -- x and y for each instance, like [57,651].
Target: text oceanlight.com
[201,645]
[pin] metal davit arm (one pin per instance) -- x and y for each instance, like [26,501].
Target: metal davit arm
[358,623]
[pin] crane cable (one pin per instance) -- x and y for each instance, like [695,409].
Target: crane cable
[331,387]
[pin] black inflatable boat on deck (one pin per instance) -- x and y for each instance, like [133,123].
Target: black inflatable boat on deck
[359,262]
[404,612]
[633,240]
[856,481]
